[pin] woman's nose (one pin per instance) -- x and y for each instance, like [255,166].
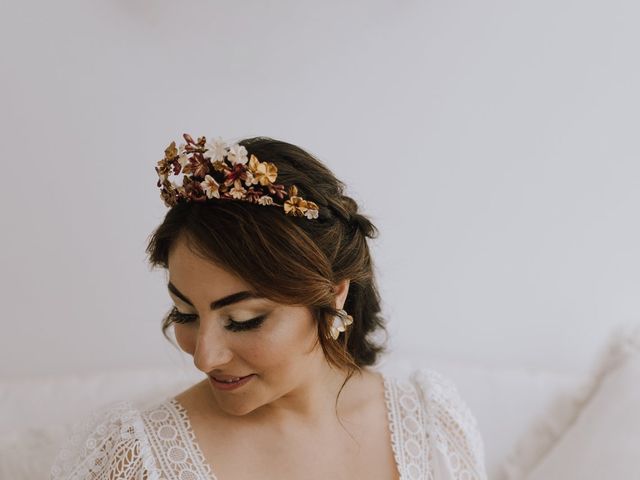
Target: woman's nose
[211,351]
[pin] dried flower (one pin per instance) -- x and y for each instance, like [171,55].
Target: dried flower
[265,173]
[237,154]
[214,170]
[211,187]
[216,150]
[295,206]
[237,191]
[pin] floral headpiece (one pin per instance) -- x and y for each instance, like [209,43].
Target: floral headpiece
[215,170]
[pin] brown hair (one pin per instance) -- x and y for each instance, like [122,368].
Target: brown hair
[290,260]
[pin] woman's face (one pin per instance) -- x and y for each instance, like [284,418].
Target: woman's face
[279,350]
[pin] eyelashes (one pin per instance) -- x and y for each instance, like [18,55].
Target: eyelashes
[177,317]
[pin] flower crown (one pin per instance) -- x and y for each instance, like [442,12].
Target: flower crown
[215,170]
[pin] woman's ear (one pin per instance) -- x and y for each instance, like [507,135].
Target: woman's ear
[341,290]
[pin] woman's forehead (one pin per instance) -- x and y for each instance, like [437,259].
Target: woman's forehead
[183,261]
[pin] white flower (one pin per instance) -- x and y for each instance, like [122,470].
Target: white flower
[210,187]
[181,149]
[216,150]
[237,154]
[265,200]
[311,213]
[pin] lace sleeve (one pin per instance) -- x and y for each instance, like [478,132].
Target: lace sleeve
[110,444]
[456,446]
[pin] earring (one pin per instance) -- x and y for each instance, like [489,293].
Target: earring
[340,323]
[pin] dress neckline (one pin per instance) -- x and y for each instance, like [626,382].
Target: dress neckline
[391,423]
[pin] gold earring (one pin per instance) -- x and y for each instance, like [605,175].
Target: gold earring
[340,323]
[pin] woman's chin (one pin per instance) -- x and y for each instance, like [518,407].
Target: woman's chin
[232,406]
[236,408]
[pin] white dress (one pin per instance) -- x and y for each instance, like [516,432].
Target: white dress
[434,436]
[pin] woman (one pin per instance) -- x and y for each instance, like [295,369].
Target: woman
[276,301]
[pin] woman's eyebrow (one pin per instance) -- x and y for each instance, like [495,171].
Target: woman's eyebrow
[221,302]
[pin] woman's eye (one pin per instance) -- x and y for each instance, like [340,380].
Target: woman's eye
[179,317]
[248,325]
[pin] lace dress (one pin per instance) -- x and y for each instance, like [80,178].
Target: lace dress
[433,433]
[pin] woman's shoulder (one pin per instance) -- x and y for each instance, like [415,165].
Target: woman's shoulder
[167,415]
[109,440]
[170,431]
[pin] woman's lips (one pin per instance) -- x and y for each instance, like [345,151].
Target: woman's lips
[230,385]
[227,377]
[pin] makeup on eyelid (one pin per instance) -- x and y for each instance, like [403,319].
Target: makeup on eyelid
[235,326]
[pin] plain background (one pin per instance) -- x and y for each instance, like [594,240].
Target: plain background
[494,144]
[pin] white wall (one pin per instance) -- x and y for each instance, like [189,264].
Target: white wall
[493,143]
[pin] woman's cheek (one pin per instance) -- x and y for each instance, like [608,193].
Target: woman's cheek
[265,350]
[185,338]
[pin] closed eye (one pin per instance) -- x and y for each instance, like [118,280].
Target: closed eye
[178,317]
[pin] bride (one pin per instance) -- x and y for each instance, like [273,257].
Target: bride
[275,299]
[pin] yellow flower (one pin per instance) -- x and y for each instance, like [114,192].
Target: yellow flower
[296,205]
[253,163]
[264,173]
[210,187]
[237,191]
[269,173]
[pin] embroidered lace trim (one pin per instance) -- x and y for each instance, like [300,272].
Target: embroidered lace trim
[434,436]
[405,415]
[109,443]
[174,443]
[451,429]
